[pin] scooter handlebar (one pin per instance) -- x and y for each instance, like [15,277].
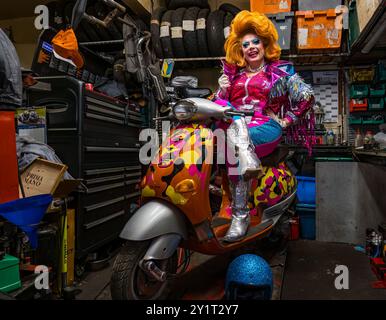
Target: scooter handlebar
[239,113]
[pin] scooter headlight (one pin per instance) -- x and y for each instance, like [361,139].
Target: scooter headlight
[184,110]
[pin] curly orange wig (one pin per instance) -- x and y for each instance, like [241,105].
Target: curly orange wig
[251,22]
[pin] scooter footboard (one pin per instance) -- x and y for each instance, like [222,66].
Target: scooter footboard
[153,219]
[277,210]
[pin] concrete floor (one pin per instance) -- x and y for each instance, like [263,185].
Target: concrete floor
[310,268]
[204,279]
[308,274]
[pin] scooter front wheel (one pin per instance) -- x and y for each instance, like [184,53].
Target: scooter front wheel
[130,282]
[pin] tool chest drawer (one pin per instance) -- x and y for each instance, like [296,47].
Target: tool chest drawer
[97,138]
[93,235]
[100,157]
[92,130]
[111,183]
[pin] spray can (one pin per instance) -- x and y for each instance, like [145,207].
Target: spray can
[369,240]
[294,228]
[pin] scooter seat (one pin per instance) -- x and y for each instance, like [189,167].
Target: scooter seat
[187,92]
[277,156]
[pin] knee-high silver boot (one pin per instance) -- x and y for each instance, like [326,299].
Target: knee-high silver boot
[240,211]
[238,139]
[249,166]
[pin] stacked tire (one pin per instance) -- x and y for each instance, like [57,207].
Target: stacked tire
[60,13]
[188,32]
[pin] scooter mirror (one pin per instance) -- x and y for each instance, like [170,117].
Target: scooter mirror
[78,13]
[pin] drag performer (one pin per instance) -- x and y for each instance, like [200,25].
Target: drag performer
[255,79]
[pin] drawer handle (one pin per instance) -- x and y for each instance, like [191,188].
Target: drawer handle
[104,204]
[55,107]
[109,149]
[103,220]
[104,188]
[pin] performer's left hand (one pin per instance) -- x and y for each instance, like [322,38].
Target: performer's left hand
[283,122]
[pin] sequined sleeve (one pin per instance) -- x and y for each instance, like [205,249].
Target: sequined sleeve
[301,97]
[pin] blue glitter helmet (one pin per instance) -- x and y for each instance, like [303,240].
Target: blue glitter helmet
[249,277]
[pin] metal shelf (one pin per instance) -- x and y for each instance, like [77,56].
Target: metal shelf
[367,111]
[365,46]
[103,46]
[98,43]
[308,55]
[193,59]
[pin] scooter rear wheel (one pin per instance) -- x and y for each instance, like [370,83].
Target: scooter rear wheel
[130,282]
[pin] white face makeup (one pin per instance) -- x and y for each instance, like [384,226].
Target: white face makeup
[253,50]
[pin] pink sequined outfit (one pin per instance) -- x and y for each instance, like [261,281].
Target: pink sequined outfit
[276,87]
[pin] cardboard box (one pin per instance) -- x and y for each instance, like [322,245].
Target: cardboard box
[42,177]
[270,6]
[366,9]
[65,187]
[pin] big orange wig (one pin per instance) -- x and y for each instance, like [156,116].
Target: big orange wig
[251,22]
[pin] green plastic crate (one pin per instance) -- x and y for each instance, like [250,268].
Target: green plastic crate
[359,91]
[373,121]
[381,72]
[354,120]
[9,274]
[353,22]
[376,103]
[377,93]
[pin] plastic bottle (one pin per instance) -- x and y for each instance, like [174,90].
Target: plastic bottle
[358,139]
[369,138]
[330,137]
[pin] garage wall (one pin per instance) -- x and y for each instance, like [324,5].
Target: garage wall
[25,37]
[350,198]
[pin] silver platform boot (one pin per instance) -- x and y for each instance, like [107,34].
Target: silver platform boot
[239,140]
[240,211]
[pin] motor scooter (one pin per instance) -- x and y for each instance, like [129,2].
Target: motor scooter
[176,215]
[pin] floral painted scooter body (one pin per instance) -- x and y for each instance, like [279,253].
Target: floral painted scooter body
[176,210]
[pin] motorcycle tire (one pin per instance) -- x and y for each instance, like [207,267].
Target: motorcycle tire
[55,14]
[80,33]
[175,4]
[101,31]
[166,40]
[176,33]
[156,19]
[124,284]
[227,7]
[102,11]
[189,32]
[202,41]
[84,30]
[215,33]
[227,24]
[141,25]
[87,29]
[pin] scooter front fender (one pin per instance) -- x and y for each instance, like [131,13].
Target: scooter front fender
[153,219]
